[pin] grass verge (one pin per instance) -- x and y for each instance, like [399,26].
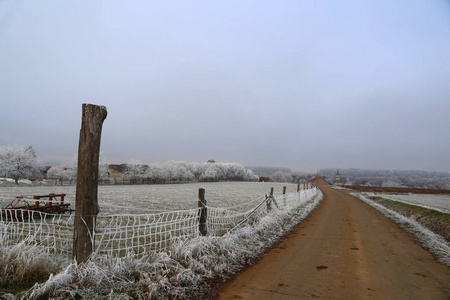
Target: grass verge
[434,242]
[436,221]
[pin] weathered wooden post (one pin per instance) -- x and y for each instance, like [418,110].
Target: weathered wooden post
[203,218]
[269,201]
[284,195]
[86,205]
[298,187]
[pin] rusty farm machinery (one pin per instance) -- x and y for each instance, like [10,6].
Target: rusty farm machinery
[23,208]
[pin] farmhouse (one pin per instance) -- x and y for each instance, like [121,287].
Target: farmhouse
[116,173]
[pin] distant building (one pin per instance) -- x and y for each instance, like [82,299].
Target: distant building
[264,179]
[339,180]
[116,173]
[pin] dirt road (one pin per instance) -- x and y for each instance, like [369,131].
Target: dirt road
[344,250]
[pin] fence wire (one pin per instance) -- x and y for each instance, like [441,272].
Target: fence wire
[138,234]
[53,232]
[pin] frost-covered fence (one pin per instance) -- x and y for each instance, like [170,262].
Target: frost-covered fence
[140,234]
[52,232]
[121,235]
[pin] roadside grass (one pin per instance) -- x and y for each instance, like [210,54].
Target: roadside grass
[436,221]
[188,270]
[24,264]
[434,242]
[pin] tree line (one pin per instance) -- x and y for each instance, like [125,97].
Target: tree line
[21,162]
[182,171]
[395,178]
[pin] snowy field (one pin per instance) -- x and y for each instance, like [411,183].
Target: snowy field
[436,202]
[118,199]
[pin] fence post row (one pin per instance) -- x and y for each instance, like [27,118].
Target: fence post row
[203,217]
[86,205]
[203,214]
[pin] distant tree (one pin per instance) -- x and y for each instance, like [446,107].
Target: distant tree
[17,162]
[211,161]
[210,173]
[281,177]
[59,173]
[250,176]
[135,171]
[102,168]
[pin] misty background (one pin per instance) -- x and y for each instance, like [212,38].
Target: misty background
[304,85]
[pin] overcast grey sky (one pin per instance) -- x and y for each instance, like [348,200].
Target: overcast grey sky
[299,84]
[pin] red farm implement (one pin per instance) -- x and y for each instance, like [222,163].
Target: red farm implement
[22,208]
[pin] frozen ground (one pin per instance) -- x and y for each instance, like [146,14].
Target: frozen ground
[436,202]
[119,199]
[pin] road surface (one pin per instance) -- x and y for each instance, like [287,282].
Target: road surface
[344,250]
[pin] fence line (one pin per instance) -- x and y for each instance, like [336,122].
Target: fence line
[119,235]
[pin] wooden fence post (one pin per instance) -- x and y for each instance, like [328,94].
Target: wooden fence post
[203,218]
[86,205]
[298,187]
[269,202]
[284,195]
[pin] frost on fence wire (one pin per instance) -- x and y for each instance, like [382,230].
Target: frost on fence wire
[221,220]
[52,232]
[119,235]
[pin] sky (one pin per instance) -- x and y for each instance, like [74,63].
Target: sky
[298,84]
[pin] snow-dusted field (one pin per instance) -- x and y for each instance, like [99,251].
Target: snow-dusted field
[118,199]
[436,202]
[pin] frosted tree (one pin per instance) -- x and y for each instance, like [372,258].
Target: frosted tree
[135,171]
[210,173]
[281,177]
[17,161]
[69,170]
[103,173]
[250,176]
[60,173]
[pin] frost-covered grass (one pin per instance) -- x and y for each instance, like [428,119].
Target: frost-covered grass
[119,199]
[23,264]
[10,181]
[182,272]
[436,202]
[416,220]
[436,221]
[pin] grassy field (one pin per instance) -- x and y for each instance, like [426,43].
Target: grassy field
[140,199]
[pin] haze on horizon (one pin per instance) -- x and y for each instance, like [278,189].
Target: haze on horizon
[298,84]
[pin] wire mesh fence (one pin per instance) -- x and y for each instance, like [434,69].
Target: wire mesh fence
[137,234]
[51,231]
